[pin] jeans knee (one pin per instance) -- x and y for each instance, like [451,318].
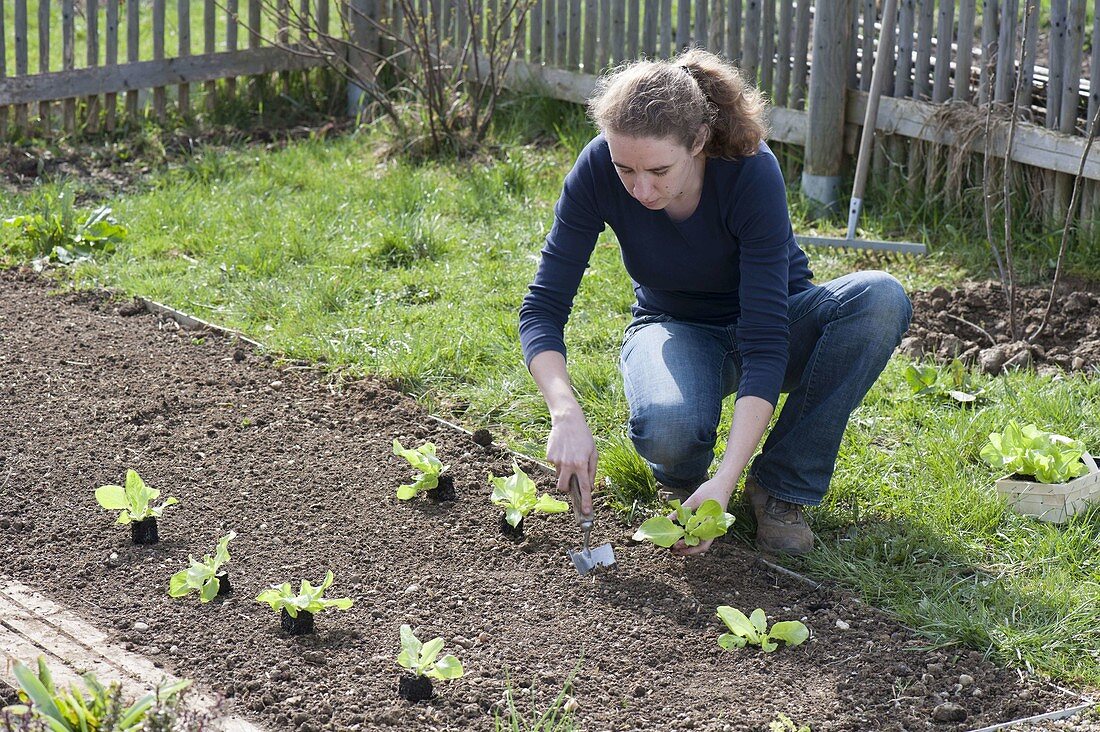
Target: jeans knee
[887,302]
[670,437]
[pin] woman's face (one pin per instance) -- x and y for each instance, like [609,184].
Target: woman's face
[656,170]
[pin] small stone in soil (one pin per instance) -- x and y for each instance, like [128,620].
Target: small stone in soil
[842,625]
[483,437]
[949,712]
[141,627]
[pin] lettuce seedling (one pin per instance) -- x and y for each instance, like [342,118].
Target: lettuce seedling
[134,501]
[707,522]
[754,631]
[77,710]
[423,459]
[951,382]
[202,577]
[518,496]
[1028,450]
[420,658]
[308,599]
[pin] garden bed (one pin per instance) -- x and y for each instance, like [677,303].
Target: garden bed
[302,469]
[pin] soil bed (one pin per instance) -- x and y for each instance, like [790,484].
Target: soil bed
[304,473]
[949,323]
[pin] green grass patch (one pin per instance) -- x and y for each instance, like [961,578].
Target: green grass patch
[323,251]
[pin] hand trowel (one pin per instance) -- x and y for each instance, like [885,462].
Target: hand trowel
[586,559]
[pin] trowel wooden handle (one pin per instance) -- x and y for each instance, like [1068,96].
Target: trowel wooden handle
[575,499]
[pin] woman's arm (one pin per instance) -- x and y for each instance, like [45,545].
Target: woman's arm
[570,447]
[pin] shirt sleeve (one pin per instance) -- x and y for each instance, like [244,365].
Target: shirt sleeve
[762,225]
[563,260]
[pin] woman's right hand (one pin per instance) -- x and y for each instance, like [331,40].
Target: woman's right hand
[572,451]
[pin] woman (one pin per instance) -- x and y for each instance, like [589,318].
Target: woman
[725,301]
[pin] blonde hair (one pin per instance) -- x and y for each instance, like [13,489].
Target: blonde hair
[674,98]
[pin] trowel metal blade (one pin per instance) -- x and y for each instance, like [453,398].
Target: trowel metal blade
[586,561]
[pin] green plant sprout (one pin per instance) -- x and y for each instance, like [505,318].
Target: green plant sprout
[420,658]
[783,723]
[134,501]
[99,709]
[202,577]
[951,382]
[423,459]
[518,496]
[308,599]
[1028,450]
[753,630]
[55,234]
[707,522]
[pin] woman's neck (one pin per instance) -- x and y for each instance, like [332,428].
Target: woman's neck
[685,204]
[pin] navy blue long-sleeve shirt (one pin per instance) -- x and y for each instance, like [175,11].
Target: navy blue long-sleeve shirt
[734,261]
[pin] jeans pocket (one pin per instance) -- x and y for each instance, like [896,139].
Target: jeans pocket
[640,322]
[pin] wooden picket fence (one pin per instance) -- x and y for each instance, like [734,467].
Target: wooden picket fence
[949,59]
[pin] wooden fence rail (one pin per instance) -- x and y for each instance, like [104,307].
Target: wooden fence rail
[948,57]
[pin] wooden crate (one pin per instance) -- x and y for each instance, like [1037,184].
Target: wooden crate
[1053,502]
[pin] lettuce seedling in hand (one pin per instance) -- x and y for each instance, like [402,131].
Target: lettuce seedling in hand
[1028,450]
[202,577]
[423,459]
[420,658]
[754,631]
[308,599]
[707,522]
[135,501]
[518,496]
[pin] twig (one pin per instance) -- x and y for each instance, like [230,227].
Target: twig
[975,326]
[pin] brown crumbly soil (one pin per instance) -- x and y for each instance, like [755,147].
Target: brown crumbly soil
[303,471]
[971,321]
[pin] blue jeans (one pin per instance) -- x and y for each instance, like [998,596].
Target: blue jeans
[676,375]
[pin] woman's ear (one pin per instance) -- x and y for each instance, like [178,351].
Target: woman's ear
[701,139]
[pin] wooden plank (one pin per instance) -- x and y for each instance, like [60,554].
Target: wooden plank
[1005,82]
[133,45]
[716,22]
[1058,19]
[853,49]
[618,30]
[649,28]
[561,32]
[869,11]
[91,15]
[750,58]
[801,49]
[828,84]
[1094,68]
[110,101]
[44,56]
[575,28]
[591,30]
[603,46]
[683,24]
[231,26]
[21,58]
[700,35]
[633,27]
[68,62]
[945,36]
[665,45]
[534,45]
[767,45]
[255,21]
[732,45]
[160,104]
[783,52]
[210,45]
[1031,48]
[324,21]
[1071,73]
[183,33]
[903,64]
[964,56]
[3,67]
[145,74]
[922,71]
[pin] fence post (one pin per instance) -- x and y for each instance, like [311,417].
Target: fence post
[359,61]
[828,77]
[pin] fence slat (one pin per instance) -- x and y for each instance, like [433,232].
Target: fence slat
[1031,48]
[133,45]
[649,28]
[534,45]
[633,27]
[666,43]
[3,69]
[945,32]
[110,100]
[716,25]
[184,35]
[965,56]
[210,44]
[853,48]
[1058,10]
[904,62]
[990,12]
[683,24]
[1094,68]
[68,62]
[591,25]
[1006,52]
[618,30]
[604,45]
[700,35]
[575,28]
[783,52]
[44,56]
[1071,74]
[867,43]
[91,14]
[231,9]
[20,18]
[282,37]
[767,45]
[801,50]
[733,30]
[751,43]
[159,95]
[922,85]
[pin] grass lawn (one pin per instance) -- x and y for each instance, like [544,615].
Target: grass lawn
[324,251]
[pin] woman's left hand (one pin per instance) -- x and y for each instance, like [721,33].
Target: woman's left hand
[716,489]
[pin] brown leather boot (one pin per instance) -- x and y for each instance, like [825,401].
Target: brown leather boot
[781,527]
